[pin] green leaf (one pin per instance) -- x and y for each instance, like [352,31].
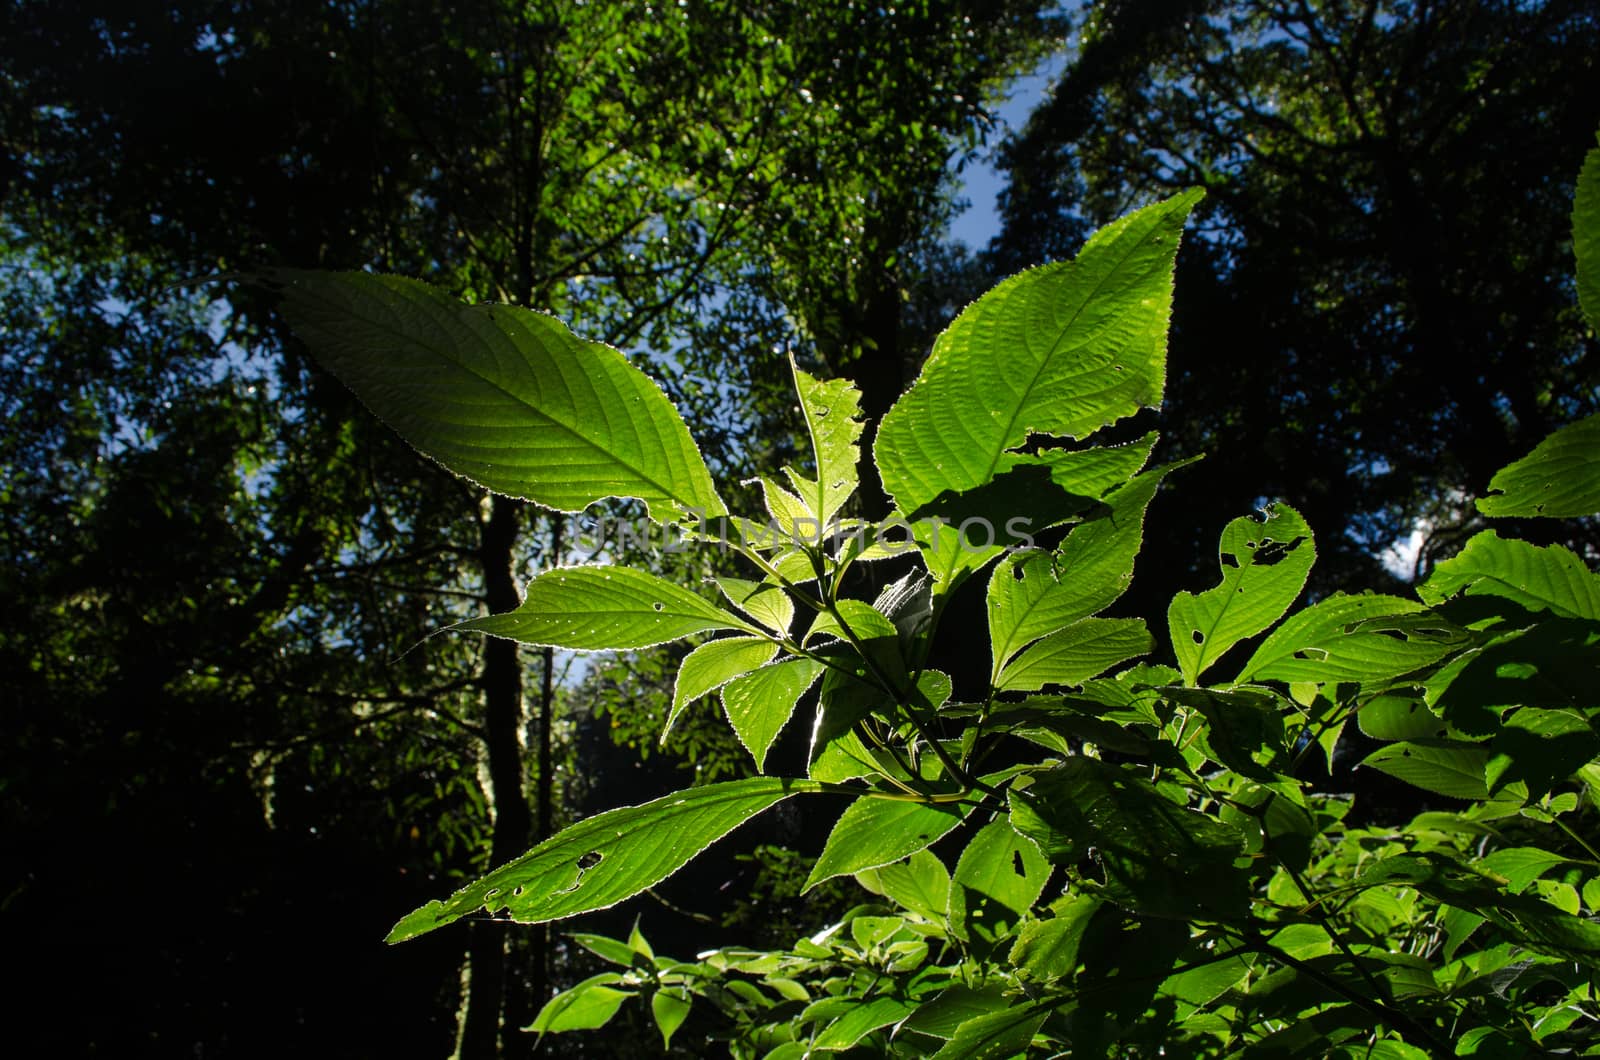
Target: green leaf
[1520,865]
[1264,565]
[1243,730]
[1061,350]
[1035,593]
[608,949]
[1560,478]
[874,832]
[958,533]
[760,703]
[920,884]
[600,861]
[1073,655]
[994,1035]
[860,1019]
[1538,578]
[1402,718]
[832,411]
[670,1007]
[712,665]
[1445,767]
[1554,664]
[506,397]
[1586,237]
[1368,638]
[955,1005]
[1047,950]
[603,608]
[1165,860]
[1540,748]
[762,601]
[1002,865]
[585,1007]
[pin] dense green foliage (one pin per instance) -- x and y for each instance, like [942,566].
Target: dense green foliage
[1353,328]
[1141,860]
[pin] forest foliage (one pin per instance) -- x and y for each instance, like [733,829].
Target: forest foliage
[1140,859]
[232,740]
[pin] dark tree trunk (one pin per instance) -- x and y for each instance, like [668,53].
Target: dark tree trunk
[488,980]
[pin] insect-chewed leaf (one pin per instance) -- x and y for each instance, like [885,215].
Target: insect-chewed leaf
[832,410]
[1061,350]
[600,861]
[761,702]
[1264,566]
[1369,637]
[1550,579]
[1559,479]
[712,665]
[506,397]
[604,608]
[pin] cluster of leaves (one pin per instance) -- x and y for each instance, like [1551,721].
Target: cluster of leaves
[1139,857]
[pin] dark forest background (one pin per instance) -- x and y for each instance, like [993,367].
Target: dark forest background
[230,759]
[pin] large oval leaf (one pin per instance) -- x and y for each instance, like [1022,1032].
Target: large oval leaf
[506,397]
[609,857]
[604,608]
[1061,350]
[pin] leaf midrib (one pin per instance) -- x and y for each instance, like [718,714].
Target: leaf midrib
[666,492]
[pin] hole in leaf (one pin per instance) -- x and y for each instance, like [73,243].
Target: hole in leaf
[1273,551]
[1230,560]
[659,606]
[590,860]
[1016,863]
[1199,638]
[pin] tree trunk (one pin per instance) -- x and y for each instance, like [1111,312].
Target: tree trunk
[487,979]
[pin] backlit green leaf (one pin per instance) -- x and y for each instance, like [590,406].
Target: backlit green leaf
[601,608]
[506,397]
[760,703]
[1264,565]
[1560,478]
[585,1007]
[1442,766]
[598,862]
[1071,656]
[1369,637]
[712,665]
[1538,578]
[1034,593]
[1164,859]
[832,411]
[1061,350]
[874,832]
[1586,237]
[1000,864]
[762,601]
